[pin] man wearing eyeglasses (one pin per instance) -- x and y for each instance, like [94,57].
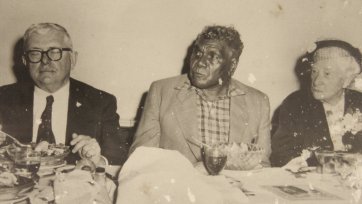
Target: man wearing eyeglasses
[56,108]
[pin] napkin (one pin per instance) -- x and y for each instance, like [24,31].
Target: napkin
[298,163]
[75,187]
[154,175]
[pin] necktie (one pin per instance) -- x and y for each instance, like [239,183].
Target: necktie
[45,132]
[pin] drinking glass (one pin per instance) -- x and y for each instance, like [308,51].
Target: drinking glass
[326,160]
[214,158]
[27,162]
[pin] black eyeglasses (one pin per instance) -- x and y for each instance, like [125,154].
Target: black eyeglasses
[54,54]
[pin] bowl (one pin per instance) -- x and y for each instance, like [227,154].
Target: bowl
[55,155]
[243,156]
[18,191]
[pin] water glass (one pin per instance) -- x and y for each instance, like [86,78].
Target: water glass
[214,158]
[327,161]
[27,162]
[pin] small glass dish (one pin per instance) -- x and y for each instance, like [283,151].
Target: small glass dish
[243,156]
[55,155]
[327,160]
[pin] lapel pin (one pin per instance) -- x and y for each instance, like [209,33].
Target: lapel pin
[78,104]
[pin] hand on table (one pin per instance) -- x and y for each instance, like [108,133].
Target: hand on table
[87,147]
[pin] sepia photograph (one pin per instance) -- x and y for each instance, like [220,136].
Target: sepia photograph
[180,102]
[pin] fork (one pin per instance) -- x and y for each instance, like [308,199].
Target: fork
[240,186]
[14,139]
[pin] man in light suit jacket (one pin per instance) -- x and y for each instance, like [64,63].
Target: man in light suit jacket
[205,106]
[76,114]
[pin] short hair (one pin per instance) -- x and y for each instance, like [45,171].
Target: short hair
[45,28]
[224,34]
[348,48]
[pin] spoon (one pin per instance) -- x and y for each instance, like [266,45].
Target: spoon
[14,139]
[198,143]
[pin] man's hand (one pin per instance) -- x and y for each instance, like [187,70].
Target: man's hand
[87,147]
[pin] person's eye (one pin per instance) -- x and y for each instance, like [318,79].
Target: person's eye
[54,51]
[33,53]
[198,53]
[216,58]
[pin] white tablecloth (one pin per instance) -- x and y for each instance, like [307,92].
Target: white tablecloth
[256,180]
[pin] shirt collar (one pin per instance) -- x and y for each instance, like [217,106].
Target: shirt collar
[60,93]
[232,91]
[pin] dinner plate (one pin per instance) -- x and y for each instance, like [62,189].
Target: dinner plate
[19,192]
[47,170]
[47,167]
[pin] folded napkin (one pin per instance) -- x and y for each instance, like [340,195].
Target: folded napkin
[298,163]
[75,187]
[153,175]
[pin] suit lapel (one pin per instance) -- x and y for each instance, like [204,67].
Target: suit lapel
[349,105]
[26,113]
[185,109]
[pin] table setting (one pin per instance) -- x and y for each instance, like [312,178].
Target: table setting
[39,174]
[228,174]
[154,175]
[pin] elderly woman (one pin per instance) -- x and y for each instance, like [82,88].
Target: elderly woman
[207,105]
[316,117]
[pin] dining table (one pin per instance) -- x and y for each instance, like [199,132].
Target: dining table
[260,186]
[279,186]
[45,180]
[163,170]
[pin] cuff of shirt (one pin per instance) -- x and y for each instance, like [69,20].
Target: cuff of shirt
[102,161]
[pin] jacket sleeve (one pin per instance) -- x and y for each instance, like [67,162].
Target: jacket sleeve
[148,131]
[264,130]
[113,139]
[285,142]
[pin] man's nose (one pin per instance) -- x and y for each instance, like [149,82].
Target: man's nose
[202,61]
[317,80]
[44,58]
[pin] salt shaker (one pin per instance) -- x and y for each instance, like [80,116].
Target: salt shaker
[100,176]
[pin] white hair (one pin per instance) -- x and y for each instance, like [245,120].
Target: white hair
[43,28]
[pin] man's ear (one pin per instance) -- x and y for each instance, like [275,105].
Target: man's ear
[73,59]
[233,65]
[23,60]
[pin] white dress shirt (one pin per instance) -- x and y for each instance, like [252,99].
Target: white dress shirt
[334,115]
[59,112]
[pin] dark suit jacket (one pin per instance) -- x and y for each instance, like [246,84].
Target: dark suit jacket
[91,112]
[303,124]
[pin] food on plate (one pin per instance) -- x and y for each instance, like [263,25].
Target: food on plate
[47,149]
[8,179]
[50,154]
[12,185]
[243,156]
[41,146]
